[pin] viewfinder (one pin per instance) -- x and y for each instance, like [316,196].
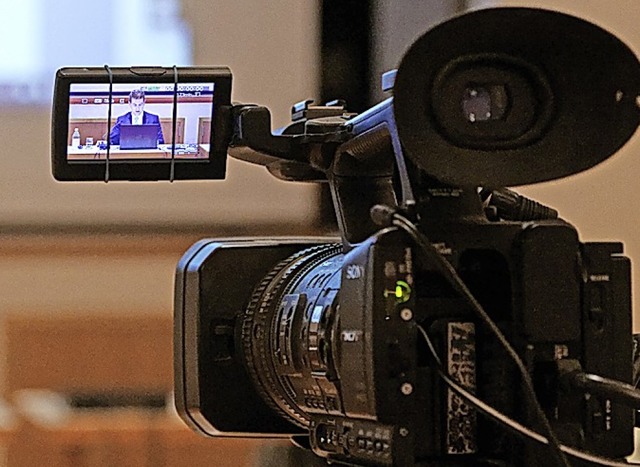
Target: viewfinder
[128,124]
[485,102]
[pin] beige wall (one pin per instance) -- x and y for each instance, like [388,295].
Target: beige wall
[273,52]
[396,24]
[604,202]
[272,48]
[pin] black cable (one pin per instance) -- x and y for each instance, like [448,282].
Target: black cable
[616,391]
[174,124]
[106,168]
[505,420]
[452,276]
[636,360]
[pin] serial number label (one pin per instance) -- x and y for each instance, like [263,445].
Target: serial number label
[461,359]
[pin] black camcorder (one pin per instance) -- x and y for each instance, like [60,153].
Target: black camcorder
[452,322]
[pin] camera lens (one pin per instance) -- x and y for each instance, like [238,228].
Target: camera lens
[489,102]
[484,102]
[287,334]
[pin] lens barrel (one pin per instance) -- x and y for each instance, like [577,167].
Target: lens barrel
[286,334]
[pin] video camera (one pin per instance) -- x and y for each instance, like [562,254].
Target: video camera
[454,322]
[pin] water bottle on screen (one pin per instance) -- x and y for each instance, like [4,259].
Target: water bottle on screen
[75,138]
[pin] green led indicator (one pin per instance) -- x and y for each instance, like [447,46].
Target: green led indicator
[403,291]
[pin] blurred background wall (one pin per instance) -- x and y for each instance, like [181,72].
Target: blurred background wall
[86,270]
[273,52]
[103,250]
[279,54]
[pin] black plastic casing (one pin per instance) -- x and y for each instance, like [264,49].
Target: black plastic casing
[555,297]
[214,394]
[213,168]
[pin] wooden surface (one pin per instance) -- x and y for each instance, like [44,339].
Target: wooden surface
[102,272]
[89,352]
[112,438]
[91,314]
[204,130]
[97,244]
[167,129]
[163,151]
[95,128]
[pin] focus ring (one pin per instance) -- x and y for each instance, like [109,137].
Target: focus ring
[258,317]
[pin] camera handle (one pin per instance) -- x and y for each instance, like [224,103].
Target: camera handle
[356,155]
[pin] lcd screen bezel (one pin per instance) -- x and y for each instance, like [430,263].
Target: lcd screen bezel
[211,168]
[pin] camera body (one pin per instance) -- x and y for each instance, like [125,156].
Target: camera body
[323,341]
[331,341]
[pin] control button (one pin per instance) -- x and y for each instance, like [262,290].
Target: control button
[597,305]
[331,403]
[598,421]
[147,71]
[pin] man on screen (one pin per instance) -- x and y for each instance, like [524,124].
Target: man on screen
[137,116]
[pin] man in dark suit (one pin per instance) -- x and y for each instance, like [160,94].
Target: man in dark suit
[137,116]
